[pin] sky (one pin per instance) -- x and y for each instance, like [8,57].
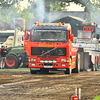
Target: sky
[72,7]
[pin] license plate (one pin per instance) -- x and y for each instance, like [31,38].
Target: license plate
[35,68]
[63,69]
[48,67]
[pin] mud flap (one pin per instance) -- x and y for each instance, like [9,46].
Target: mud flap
[86,61]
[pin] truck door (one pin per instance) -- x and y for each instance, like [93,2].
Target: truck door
[26,41]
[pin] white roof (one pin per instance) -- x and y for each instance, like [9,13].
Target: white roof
[7,31]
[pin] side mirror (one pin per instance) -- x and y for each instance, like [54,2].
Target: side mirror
[71,37]
[26,36]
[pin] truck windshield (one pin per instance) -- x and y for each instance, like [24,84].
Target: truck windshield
[3,39]
[49,35]
[83,36]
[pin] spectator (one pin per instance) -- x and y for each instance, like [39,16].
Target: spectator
[4,52]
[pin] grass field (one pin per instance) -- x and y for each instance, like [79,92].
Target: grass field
[96,98]
[19,69]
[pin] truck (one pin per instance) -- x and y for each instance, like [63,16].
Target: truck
[90,44]
[14,40]
[11,38]
[49,48]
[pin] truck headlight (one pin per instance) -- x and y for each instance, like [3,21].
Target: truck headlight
[41,61]
[33,59]
[63,60]
[33,64]
[46,61]
[54,61]
[50,61]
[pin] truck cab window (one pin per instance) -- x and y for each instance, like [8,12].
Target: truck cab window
[49,35]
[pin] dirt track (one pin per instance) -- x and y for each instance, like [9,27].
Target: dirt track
[21,85]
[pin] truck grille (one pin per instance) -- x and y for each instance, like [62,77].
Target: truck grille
[48,51]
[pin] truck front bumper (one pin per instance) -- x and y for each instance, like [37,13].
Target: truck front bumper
[48,65]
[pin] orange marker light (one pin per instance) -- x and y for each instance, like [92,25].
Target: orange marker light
[29,59]
[38,23]
[59,24]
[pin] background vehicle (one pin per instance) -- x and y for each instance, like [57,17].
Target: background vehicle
[11,38]
[14,40]
[86,40]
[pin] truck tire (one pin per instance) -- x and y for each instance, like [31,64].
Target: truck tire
[77,69]
[69,70]
[33,71]
[11,62]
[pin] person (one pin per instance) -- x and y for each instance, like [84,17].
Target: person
[4,52]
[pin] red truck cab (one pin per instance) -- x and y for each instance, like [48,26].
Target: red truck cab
[49,47]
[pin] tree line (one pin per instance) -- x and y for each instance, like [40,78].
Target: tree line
[12,9]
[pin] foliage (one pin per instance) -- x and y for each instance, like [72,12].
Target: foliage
[8,9]
[26,14]
[96,98]
[19,69]
[58,6]
[6,14]
[91,6]
[8,3]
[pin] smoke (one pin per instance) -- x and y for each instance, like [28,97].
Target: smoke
[38,9]
[6,14]
[91,7]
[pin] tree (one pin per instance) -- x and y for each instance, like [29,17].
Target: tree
[6,14]
[8,3]
[58,6]
[92,7]
[26,14]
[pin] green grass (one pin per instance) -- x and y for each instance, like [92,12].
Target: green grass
[96,98]
[99,68]
[19,69]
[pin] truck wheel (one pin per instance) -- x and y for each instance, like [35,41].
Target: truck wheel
[11,62]
[33,71]
[77,69]
[69,70]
